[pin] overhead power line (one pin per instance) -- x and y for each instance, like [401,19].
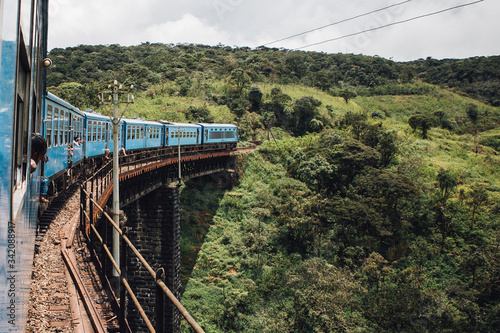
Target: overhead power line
[391,24]
[332,24]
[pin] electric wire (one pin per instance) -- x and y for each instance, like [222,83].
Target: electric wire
[336,23]
[390,24]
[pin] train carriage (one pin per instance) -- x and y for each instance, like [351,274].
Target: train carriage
[185,134]
[98,135]
[62,124]
[219,133]
[141,134]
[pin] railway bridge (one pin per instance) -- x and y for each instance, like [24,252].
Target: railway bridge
[147,276]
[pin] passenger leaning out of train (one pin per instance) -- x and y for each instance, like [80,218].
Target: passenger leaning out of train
[38,150]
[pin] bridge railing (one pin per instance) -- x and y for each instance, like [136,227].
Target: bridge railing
[91,191]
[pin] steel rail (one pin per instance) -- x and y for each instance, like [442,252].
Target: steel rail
[92,312]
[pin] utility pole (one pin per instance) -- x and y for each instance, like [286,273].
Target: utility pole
[116,91]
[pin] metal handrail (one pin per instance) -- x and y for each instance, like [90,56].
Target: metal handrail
[160,283]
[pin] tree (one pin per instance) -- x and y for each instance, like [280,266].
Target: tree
[387,147]
[421,122]
[316,125]
[239,80]
[255,98]
[316,172]
[348,94]
[324,298]
[477,198]
[304,111]
[447,183]
[472,112]
[199,114]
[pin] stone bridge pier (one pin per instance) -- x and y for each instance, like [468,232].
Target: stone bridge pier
[153,226]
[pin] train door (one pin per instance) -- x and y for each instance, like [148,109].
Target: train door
[109,137]
[147,135]
[70,130]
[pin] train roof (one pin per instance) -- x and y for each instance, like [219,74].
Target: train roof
[95,115]
[191,125]
[62,102]
[210,125]
[141,122]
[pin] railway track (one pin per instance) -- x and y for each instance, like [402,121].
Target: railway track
[66,294]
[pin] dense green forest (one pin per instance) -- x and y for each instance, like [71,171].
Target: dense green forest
[371,206]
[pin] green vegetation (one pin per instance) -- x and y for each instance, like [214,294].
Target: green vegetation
[376,208]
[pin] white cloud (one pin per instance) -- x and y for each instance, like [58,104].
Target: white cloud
[188,29]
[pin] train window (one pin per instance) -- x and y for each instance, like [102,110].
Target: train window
[94,131]
[21,134]
[48,126]
[128,132]
[141,133]
[89,131]
[79,133]
[61,128]
[56,126]
[66,126]
[133,133]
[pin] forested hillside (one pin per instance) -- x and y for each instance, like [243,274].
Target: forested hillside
[371,206]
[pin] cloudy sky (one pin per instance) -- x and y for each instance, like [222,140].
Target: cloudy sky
[464,32]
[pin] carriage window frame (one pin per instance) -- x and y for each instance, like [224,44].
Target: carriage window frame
[48,125]
[94,131]
[66,126]
[61,127]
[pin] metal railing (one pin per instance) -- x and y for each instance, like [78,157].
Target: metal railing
[91,191]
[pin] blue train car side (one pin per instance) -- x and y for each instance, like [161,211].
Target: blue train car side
[62,124]
[187,134]
[141,134]
[23,34]
[219,133]
[98,135]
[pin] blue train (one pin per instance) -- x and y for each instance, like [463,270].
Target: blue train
[23,48]
[77,141]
